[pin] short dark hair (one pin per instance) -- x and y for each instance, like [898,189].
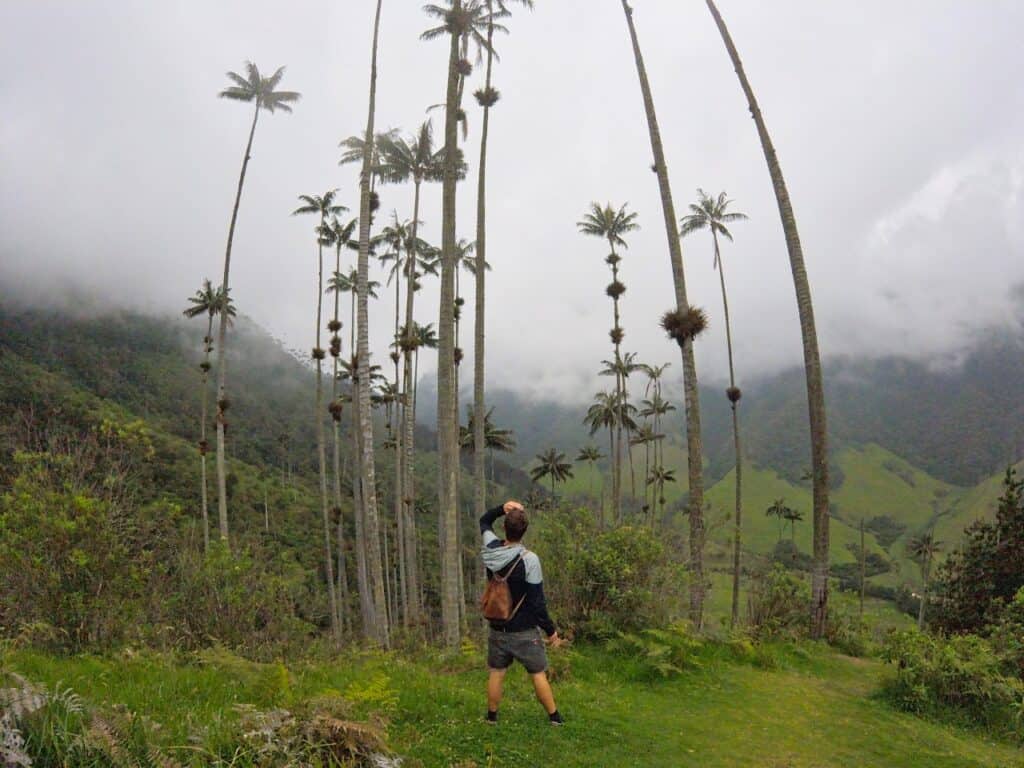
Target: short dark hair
[516,524]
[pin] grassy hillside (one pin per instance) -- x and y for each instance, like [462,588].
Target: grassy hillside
[773,707]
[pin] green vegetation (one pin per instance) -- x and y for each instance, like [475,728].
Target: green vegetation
[731,705]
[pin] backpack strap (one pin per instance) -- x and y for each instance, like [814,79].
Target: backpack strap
[508,573]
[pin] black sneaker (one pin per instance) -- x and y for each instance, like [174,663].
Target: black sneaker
[492,718]
[555,718]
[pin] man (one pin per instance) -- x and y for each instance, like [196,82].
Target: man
[518,638]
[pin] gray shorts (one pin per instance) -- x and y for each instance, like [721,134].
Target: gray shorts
[526,647]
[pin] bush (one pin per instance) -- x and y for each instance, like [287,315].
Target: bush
[608,581]
[659,653]
[961,673]
[777,604]
[1007,636]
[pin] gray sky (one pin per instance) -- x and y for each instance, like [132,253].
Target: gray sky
[900,127]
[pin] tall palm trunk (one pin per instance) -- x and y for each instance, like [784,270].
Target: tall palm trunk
[402,592]
[378,632]
[695,461]
[812,358]
[204,445]
[414,607]
[925,573]
[222,401]
[447,424]
[619,397]
[479,405]
[734,404]
[321,443]
[342,575]
[366,602]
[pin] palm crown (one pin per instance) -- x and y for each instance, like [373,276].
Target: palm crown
[414,158]
[323,205]
[552,464]
[255,87]
[608,223]
[207,300]
[710,213]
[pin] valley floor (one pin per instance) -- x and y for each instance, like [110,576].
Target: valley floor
[785,707]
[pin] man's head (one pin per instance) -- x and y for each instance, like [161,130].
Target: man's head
[516,523]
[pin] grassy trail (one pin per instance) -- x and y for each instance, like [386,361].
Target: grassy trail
[807,709]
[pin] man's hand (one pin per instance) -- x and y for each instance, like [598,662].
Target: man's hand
[557,642]
[508,506]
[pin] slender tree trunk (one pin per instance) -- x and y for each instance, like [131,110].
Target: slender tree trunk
[222,373]
[619,397]
[266,511]
[925,572]
[342,574]
[479,405]
[396,433]
[695,461]
[812,358]
[737,532]
[366,602]
[863,569]
[379,632]
[447,418]
[204,445]
[321,441]
[414,606]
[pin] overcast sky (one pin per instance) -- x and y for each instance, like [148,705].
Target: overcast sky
[899,125]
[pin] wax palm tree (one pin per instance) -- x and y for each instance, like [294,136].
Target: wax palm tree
[648,438]
[683,321]
[792,516]
[656,408]
[263,94]
[378,631]
[402,160]
[341,237]
[459,24]
[923,550]
[712,213]
[622,367]
[486,97]
[611,224]
[778,510]
[592,455]
[323,206]
[552,464]
[609,412]
[812,358]
[658,477]
[209,302]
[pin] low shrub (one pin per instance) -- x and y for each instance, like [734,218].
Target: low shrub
[659,653]
[777,604]
[962,673]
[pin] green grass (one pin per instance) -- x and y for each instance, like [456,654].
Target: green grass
[809,708]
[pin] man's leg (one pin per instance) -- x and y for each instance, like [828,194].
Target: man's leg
[494,683]
[542,688]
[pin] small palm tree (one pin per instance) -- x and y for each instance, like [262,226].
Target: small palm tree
[209,302]
[263,94]
[923,549]
[612,224]
[323,206]
[658,477]
[792,516]
[778,510]
[712,214]
[552,465]
[592,455]
[609,412]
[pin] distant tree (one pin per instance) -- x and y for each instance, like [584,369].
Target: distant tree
[263,93]
[923,550]
[552,465]
[792,516]
[622,367]
[779,511]
[812,357]
[608,412]
[495,438]
[657,478]
[323,206]
[712,214]
[592,455]
[612,224]
[209,302]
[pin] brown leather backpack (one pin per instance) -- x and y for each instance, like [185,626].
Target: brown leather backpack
[496,601]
